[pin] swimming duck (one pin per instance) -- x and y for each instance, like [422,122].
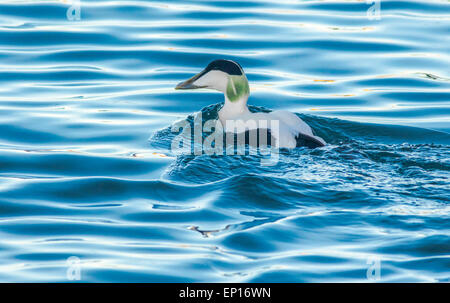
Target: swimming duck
[228,77]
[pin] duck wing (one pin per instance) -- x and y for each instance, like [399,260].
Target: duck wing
[293,131]
[298,130]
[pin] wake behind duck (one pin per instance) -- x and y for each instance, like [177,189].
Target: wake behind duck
[229,78]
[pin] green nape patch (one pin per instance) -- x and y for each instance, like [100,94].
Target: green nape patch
[237,87]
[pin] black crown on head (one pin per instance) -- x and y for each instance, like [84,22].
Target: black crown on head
[226,66]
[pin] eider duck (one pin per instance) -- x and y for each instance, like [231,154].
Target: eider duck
[228,77]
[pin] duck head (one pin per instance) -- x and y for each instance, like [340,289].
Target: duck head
[222,75]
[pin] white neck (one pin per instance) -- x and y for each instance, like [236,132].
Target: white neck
[232,110]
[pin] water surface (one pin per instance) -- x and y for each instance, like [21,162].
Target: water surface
[86,168]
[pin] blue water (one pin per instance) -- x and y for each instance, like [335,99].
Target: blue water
[86,169]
